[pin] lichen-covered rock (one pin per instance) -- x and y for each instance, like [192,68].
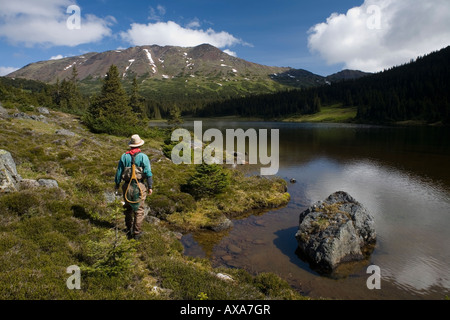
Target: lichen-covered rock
[48,183]
[3,112]
[336,230]
[9,178]
[43,110]
[65,132]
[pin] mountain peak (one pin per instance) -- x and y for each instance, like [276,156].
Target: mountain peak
[150,61]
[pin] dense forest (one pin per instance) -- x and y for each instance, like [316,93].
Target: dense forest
[418,90]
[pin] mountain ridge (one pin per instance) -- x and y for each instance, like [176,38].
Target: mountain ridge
[156,61]
[153,62]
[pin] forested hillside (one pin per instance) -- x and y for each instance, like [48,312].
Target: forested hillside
[416,91]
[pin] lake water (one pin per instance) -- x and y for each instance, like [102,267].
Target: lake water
[401,175]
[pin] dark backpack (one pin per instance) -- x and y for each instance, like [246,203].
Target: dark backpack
[134,192]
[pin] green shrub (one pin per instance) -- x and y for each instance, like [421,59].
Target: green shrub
[90,185]
[208,180]
[110,255]
[184,202]
[21,203]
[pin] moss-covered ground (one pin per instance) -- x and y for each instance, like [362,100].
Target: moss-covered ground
[43,231]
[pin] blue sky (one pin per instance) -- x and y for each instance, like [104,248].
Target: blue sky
[322,36]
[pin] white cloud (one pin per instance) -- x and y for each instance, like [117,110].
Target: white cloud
[7,70]
[171,33]
[195,23]
[156,14]
[44,22]
[57,57]
[382,33]
[229,52]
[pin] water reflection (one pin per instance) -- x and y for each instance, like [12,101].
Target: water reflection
[400,174]
[411,215]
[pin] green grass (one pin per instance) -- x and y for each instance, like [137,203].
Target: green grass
[333,113]
[44,231]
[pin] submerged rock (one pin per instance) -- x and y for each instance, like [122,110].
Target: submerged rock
[222,224]
[336,230]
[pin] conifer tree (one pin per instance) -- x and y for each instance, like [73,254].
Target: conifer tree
[110,111]
[174,117]
[136,101]
[67,96]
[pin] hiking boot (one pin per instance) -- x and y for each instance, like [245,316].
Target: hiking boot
[129,235]
[137,236]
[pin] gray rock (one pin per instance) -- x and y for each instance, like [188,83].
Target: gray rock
[223,224]
[43,110]
[224,276]
[65,132]
[110,196]
[336,230]
[9,178]
[3,112]
[48,183]
[21,115]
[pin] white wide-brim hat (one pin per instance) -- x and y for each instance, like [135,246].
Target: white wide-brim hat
[135,141]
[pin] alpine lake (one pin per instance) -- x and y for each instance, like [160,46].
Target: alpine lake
[400,174]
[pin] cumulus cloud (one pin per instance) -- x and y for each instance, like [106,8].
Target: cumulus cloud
[44,22]
[7,70]
[382,33]
[229,52]
[57,57]
[171,33]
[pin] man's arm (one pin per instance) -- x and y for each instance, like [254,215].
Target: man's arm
[150,185]
[148,172]
[118,177]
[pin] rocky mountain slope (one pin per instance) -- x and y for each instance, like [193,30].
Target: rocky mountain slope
[151,62]
[173,73]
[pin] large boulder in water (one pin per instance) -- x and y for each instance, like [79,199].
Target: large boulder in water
[336,230]
[9,178]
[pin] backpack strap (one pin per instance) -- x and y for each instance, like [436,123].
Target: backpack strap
[133,158]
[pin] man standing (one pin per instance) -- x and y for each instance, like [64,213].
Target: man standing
[134,217]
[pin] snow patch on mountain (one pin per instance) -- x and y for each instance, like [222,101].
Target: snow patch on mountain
[150,59]
[128,67]
[70,66]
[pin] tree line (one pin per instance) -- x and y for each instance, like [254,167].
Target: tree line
[418,90]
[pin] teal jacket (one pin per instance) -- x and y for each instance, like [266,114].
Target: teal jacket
[141,160]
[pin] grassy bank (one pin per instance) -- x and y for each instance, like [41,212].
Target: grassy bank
[43,230]
[333,113]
